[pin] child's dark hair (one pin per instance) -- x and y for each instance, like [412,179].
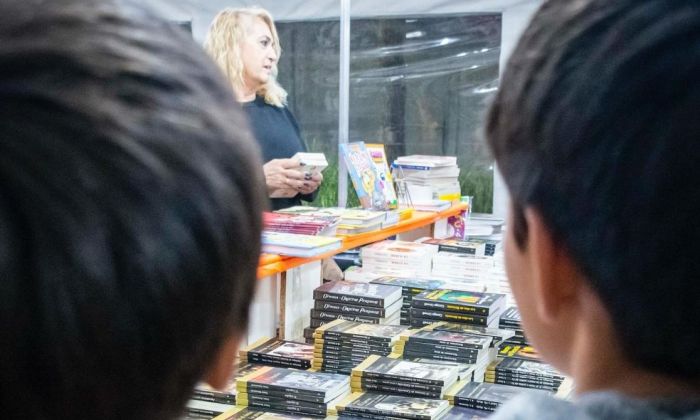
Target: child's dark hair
[130,212]
[596,126]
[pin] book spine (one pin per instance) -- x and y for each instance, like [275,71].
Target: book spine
[457,249]
[397,383]
[457,359]
[349,309]
[449,316]
[431,304]
[207,396]
[348,299]
[329,316]
[408,379]
[446,344]
[283,389]
[367,410]
[301,410]
[475,404]
[440,349]
[264,359]
[398,390]
[286,395]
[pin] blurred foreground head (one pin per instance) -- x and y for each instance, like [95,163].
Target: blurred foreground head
[130,212]
[596,131]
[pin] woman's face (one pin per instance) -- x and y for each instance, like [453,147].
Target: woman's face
[257,54]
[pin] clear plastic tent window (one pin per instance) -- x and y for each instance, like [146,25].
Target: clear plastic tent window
[418,84]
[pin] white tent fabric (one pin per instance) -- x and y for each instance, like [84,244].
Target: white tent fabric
[515,16]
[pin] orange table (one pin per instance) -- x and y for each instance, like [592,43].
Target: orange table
[272,264]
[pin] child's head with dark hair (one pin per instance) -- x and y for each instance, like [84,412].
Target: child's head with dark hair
[596,131]
[130,214]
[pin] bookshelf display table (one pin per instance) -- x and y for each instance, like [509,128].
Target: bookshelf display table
[285,291]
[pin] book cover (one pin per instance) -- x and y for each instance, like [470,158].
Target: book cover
[393,405]
[484,304]
[463,413]
[380,367]
[245,413]
[364,175]
[518,351]
[295,381]
[378,155]
[498,335]
[414,285]
[490,393]
[429,161]
[449,338]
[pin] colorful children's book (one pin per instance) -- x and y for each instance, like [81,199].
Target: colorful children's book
[378,155]
[364,175]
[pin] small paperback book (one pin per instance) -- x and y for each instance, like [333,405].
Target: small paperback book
[380,366]
[484,304]
[325,385]
[364,175]
[378,155]
[395,406]
[227,395]
[366,294]
[311,162]
[482,395]
[245,413]
[298,245]
[271,351]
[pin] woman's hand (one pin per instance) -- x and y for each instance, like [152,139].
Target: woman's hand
[312,180]
[285,179]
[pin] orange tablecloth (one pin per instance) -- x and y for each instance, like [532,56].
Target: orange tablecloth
[272,264]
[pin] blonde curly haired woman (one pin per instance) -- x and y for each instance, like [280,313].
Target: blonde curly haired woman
[245,45]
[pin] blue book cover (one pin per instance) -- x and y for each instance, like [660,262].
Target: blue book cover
[364,175]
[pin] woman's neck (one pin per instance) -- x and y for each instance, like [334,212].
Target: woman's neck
[245,94]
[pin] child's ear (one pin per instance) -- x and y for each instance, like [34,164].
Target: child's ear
[222,365]
[555,274]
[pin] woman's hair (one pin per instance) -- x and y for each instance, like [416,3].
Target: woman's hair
[223,43]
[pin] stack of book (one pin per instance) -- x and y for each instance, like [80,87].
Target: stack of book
[510,320]
[360,302]
[492,245]
[465,269]
[199,409]
[482,309]
[410,286]
[381,406]
[475,247]
[483,225]
[524,373]
[481,396]
[304,224]
[341,345]
[462,413]
[246,413]
[358,274]
[280,353]
[218,401]
[497,335]
[351,221]
[455,347]
[429,177]
[298,245]
[499,279]
[356,221]
[398,258]
[291,391]
[511,350]
[402,377]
